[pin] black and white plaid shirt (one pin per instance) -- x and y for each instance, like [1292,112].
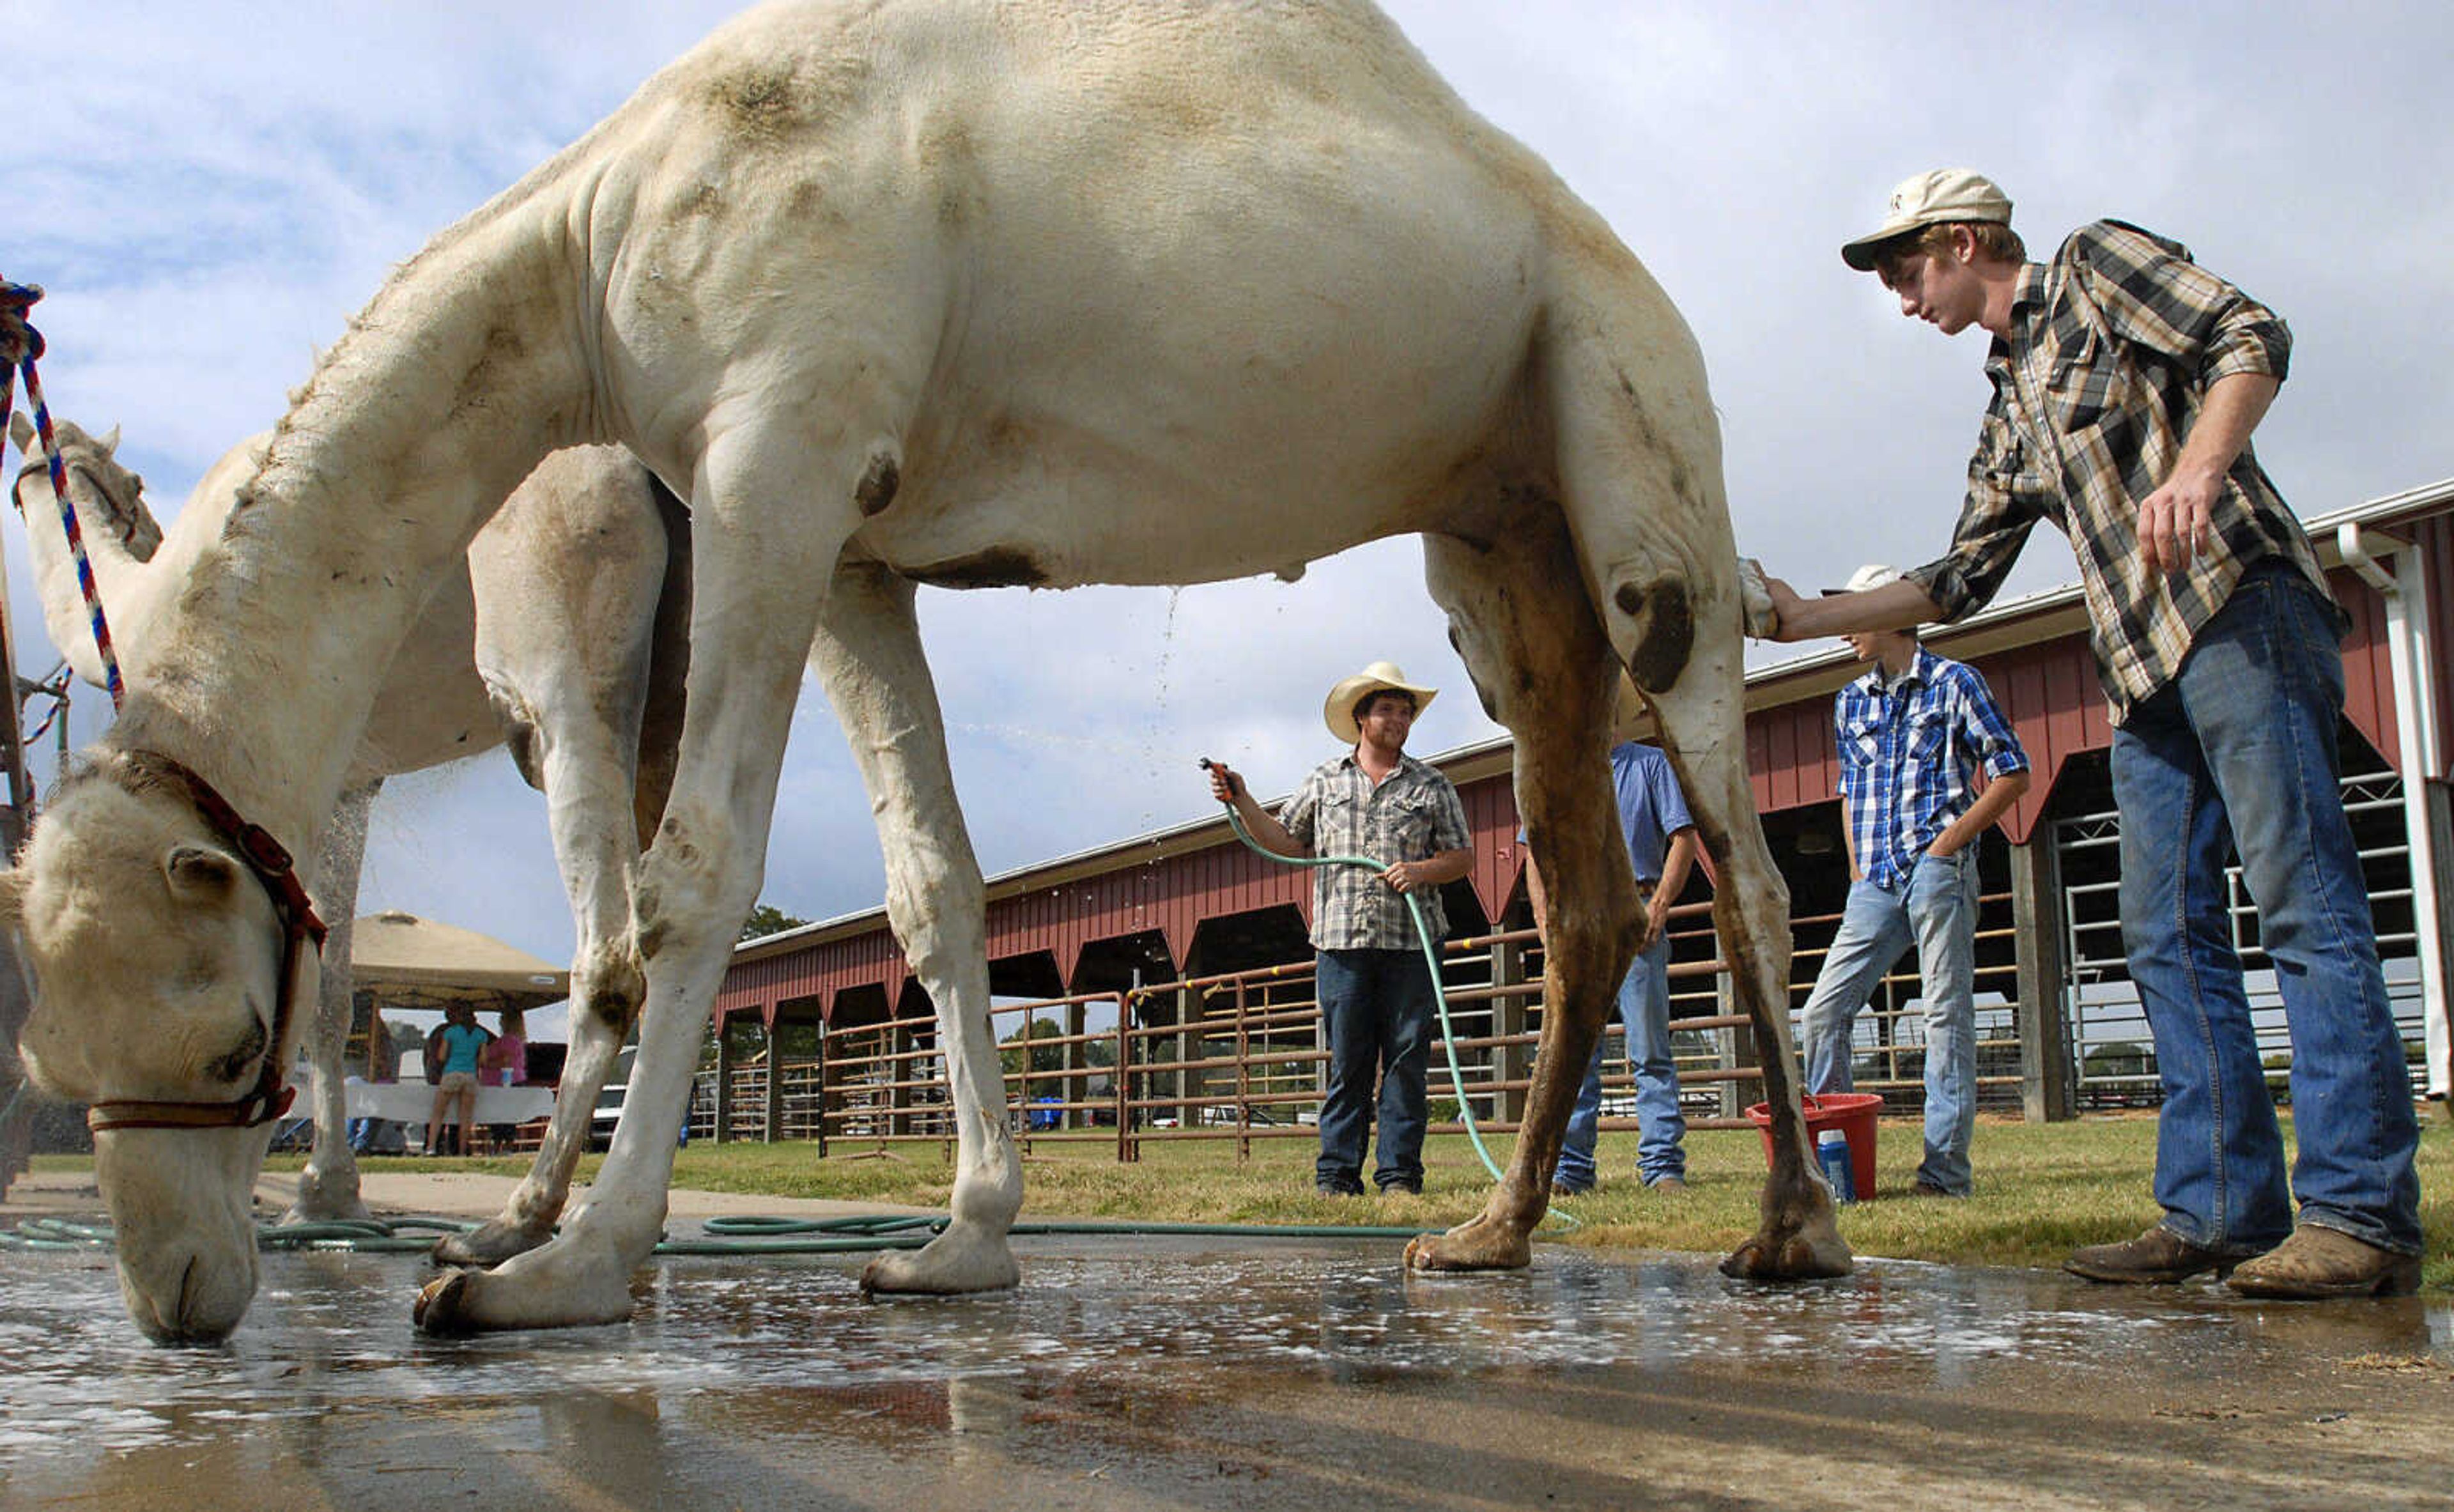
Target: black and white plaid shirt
[1412,814]
[2115,344]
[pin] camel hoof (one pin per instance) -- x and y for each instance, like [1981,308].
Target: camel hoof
[545,1288]
[485,1246]
[1482,1245]
[954,1265]
[1805,1256]
[439,1306]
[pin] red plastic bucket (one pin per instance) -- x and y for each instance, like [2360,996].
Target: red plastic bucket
[1852,1113]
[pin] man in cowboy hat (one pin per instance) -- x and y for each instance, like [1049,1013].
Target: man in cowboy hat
[2126,382]
[1374,981]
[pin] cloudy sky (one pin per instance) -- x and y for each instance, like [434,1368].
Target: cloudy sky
[210,191]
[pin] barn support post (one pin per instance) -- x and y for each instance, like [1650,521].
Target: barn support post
[774,1076]
[1076,1085]
[2047,1093]
[1511,1012]
[726,1064]
[2420,757]
[1737,1044]
[818,1088]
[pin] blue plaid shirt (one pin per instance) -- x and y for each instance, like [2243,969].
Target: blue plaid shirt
[1909,753]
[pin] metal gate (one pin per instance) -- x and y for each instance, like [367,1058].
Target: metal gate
[2112,1056]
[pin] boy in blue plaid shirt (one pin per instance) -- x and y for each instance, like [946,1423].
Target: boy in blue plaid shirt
[1913,735]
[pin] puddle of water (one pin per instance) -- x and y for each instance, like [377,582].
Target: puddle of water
[330,1333]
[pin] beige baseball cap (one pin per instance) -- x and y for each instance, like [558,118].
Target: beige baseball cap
[1927,199]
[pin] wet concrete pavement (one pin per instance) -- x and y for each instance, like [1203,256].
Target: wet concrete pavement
[1205,1373]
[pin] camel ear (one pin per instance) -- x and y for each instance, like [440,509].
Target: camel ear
[14,881]
[110,443]
[199,873]
[22,430]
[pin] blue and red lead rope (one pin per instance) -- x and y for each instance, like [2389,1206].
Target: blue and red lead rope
[20,344]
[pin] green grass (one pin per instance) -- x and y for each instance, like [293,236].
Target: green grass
[2040,1188]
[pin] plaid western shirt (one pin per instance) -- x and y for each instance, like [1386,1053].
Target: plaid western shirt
[1909,751]
[2113,348]
[1411,816]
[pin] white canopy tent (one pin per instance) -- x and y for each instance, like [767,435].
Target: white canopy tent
[411,962]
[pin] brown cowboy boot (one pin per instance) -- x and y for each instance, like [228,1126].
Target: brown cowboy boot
[2318,1262]
[2156,1257]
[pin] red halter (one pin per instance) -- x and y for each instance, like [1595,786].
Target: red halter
[272,864]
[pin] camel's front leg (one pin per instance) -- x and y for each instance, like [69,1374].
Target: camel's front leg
[755,599]
[868,658]
[328,1188]
[1538,659]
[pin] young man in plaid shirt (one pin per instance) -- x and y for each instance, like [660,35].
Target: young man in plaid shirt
[2126,383]
[1913,733]
[1373,978]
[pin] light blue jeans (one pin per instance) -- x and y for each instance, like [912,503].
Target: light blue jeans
[1938,909]
[1644,1010]
[2238,751]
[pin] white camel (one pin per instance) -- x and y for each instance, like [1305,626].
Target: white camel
[951,292]
[558,636]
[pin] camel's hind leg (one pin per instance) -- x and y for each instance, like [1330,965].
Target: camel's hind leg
[1639,461]
[1540,663]
[868,658]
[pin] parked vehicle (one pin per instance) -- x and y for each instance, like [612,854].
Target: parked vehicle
[617,1091]
[608,1100]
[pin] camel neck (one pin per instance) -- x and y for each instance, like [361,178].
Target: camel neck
[412,431]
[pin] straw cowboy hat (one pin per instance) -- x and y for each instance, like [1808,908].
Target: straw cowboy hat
[1379,678]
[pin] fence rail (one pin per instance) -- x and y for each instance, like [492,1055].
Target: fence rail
[1228,1056]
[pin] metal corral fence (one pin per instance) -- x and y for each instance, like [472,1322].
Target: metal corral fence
[1238,1056]
[2113,1055]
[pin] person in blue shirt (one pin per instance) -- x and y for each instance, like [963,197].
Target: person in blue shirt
[1661,845]
[1914,732]
[459,1047]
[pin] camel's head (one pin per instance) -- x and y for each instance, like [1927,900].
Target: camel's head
[110,498]
[154,959]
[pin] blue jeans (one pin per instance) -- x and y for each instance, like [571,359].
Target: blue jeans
[2238,751]
[1938,909]
[1644,1009]
[1376,1006]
